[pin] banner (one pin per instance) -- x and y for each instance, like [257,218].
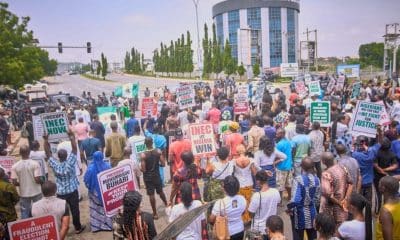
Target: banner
[314,88]
[55,125]
[38,129]
[356,90]
[38,228]
[320,111]
[105,113]
[300,88]
[340,83]
[350,71]
[202,137]
[128,90]
[331,84]
[289,69]
[186,96]
[366,117]
[148,107]
[6,162]
[114,183]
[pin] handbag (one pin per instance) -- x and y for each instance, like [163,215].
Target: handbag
[253,234]
[213,188]
[221,231]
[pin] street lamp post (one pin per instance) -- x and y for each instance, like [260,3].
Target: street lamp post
[199,64]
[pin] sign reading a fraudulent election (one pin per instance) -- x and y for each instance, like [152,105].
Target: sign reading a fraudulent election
[114,183]
[186,96]
[55,125]
[38,228]
[320,111]
[202,137]
[365,119]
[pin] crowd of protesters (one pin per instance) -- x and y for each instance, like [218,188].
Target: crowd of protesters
[269,160]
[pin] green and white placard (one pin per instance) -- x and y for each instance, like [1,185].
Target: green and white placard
[55,125]
[320,111]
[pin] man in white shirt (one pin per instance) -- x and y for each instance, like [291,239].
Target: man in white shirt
[120,130]
[40,157]
[134,165]
[27,176]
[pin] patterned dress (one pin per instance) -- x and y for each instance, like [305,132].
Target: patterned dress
[335,180]
[306,193]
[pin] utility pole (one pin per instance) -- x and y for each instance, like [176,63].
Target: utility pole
[199,64]
[391,38]
[316,47]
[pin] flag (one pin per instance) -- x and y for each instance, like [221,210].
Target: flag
[105,113]
[128,90]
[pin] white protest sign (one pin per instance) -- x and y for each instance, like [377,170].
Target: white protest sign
[55,125]
[307,78]
[340,83]
[242,93]
[203,141]
[300,88]
[114,183]
[331,85]
[314,88]
[186,96]
[289,69]
[38,129]
[366,117]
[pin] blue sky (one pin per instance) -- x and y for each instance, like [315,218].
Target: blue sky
[114,26]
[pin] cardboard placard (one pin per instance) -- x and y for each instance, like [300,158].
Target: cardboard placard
[186,96]
[340,83]
[356,90]
[38,228]
[366,117]
[38,129]
[300,88]
[148,107]
[114,183]
[320,111]
[55,125]
[240,107]
[314,88]
[6,162]
[202,138]
[331,85]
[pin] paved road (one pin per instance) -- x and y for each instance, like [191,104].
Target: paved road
[75,85]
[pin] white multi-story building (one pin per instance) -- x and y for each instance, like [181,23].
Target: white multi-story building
[259,31]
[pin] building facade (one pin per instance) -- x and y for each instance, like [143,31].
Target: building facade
[259,31]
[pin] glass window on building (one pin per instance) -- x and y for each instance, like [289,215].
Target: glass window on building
[254,22]
[275,36]
[219,24]
[291,35]
[233,26]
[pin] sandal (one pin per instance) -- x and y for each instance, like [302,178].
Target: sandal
[80,230]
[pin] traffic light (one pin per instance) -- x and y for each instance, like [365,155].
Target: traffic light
[89,47]
[59,47]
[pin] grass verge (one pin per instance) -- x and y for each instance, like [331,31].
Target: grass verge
[95,78]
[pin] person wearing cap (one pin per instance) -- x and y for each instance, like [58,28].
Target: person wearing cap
[233,139]
[176,148]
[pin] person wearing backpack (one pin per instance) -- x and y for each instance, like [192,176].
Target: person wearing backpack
[227,212]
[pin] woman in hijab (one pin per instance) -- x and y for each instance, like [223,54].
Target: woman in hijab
[137,225]
[98,219]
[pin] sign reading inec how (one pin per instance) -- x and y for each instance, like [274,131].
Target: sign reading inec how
[356,90]
[289,69]
[55,125]
[314,88]
[186,96]
[350,71]
[365,119]
[38,228]
[114,183]
[320,111]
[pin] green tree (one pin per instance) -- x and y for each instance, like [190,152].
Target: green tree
[127,62]
[49,65]
[206,53]
[241,70]
[229,62]
[104,65]
[373,54]
[217,63]
[20,61]
[98,69]
[256,70]
[188,54]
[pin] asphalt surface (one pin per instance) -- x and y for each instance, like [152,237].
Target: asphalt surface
[75,85]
